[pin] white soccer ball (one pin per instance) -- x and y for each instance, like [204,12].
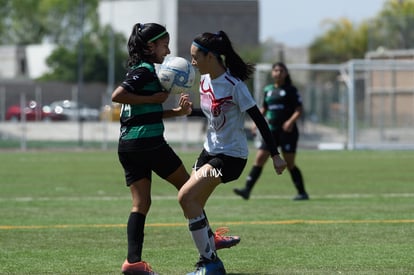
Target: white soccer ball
[176,75]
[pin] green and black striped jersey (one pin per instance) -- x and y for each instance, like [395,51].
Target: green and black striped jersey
[142,126]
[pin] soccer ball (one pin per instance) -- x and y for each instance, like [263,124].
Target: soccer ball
[176,75]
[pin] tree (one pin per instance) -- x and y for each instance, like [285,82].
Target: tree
[393,28]
[342,41]
[63,23]
[37,21]
[64,60]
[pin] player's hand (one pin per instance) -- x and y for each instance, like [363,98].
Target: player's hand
[185,104]
[253,130]
[279,164]
[288,126]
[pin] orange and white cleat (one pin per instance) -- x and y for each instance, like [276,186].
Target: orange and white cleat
[138,268]
[222,241]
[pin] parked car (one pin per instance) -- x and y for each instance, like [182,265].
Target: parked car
[33,111]
[111,112]
[72,110]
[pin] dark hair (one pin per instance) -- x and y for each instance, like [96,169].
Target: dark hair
[220,45]
[288,80]
[138,41]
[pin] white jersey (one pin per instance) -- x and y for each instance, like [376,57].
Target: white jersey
[224,101]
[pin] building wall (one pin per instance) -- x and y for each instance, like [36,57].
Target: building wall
[13,62]
[122,15]
[239,19]
[185,19]
[390,93]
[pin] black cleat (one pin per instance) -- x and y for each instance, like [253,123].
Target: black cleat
[244,193]
[301,197]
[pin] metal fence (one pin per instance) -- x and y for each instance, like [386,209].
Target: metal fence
[45,132]
[361,104]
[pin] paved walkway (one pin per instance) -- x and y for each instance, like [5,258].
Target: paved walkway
[176,130]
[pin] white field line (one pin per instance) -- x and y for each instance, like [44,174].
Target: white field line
[280,222]
[218,197]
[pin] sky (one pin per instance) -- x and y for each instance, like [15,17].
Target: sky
[296,23]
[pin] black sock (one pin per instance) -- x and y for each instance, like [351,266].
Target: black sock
[253,176]
[297,179]
[135,233]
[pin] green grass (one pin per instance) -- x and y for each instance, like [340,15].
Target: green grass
[65,213]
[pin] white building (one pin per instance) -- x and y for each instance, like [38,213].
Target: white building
[122,15]
[24,62]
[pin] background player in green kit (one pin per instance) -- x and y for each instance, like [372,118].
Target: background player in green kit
[282,106]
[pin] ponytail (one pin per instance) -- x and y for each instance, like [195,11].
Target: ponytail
[220,45]
[141,35]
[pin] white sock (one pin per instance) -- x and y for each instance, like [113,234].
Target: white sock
[210,234]
[199,232]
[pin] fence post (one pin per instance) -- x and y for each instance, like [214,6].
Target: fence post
[351,105]
[23,137]
[2,103]
[38,99]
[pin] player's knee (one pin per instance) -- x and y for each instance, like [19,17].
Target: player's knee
[185,200]
[181,199]
[142,206]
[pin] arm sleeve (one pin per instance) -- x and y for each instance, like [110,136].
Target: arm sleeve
[263,127]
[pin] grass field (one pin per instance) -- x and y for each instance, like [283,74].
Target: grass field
[65,213]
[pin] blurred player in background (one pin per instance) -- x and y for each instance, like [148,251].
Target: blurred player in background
[282,106]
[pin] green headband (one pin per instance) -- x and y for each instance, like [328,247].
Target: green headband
[157,36]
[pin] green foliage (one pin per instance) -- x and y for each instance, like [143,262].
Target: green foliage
[63,63]
[64,60]
[343,40]
[60,22]
[393,28]
[4,11]
[36,21]
[65,213]
[251,54]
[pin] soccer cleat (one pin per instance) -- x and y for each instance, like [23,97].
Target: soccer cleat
[244,193]
[138,268]
[301,197]
[209,267]
[222,241]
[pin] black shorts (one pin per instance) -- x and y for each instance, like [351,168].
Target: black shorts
[228,168]
[287,141]
[138,165]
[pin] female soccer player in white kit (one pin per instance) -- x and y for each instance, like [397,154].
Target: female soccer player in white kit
[224,99]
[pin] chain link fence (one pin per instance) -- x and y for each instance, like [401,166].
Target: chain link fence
[361,104]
